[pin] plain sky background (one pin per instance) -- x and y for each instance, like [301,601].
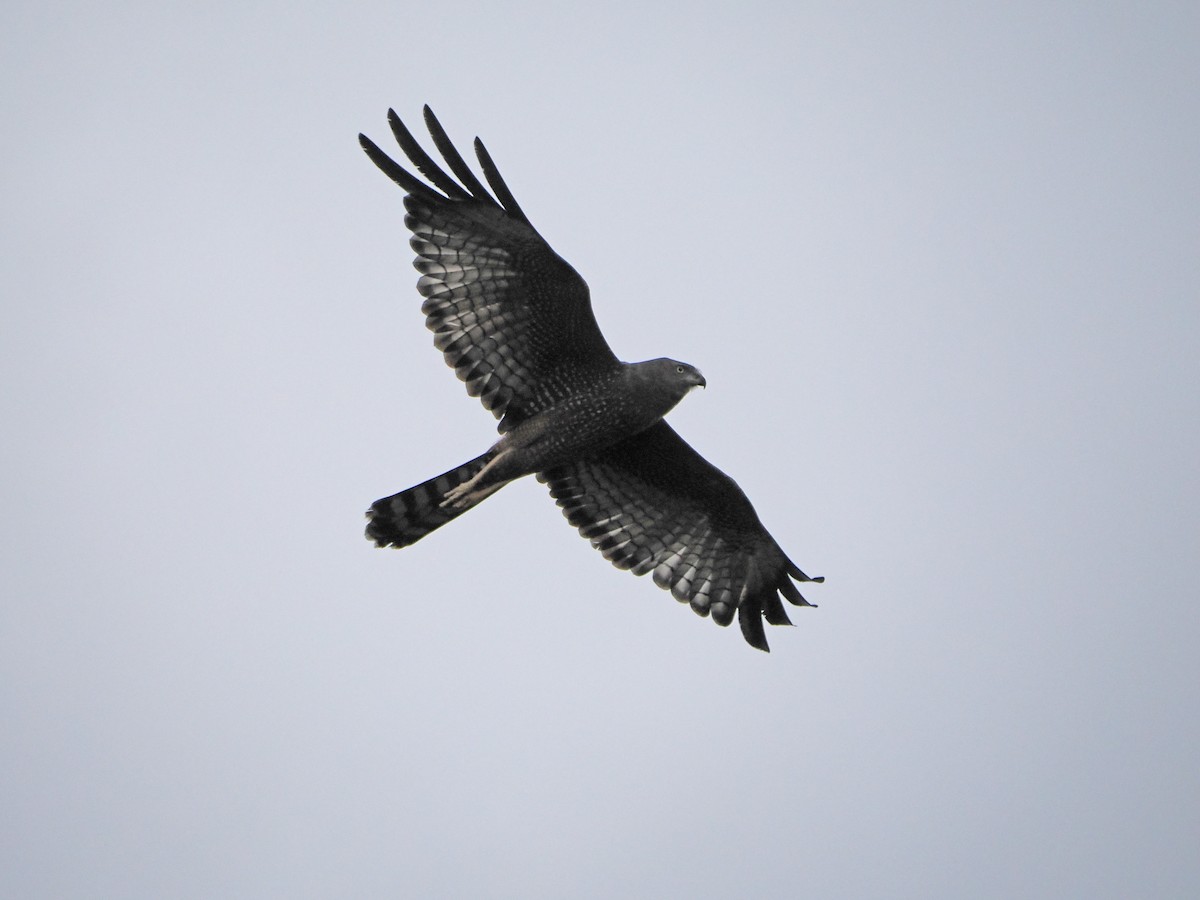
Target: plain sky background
[940,263]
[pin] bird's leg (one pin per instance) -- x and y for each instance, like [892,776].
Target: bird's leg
[462,497]
[486,482]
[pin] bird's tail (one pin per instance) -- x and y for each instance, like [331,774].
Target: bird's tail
[406,517]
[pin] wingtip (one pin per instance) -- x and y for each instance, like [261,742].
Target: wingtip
[792,593]
[750,620]
[796,572]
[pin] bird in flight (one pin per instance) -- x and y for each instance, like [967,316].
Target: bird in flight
[515,322]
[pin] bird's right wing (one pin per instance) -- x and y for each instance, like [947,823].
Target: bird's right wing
[511,316]
[653,504]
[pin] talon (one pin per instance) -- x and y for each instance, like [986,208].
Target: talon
[457,497]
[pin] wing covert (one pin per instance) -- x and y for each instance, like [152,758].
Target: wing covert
[653,504]
[512,318]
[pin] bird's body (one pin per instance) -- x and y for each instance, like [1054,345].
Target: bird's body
[631,399]
[624,401]
[515,322]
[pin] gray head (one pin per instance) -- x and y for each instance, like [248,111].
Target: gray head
[678,372]
[661,383]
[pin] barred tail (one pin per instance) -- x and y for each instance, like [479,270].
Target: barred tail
[406,517]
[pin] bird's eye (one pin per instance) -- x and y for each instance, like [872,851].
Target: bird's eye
[679,370]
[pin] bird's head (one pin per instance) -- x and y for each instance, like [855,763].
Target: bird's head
[661,383]
[682,373]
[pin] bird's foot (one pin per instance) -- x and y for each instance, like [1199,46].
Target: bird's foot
[469,493]
[459,497]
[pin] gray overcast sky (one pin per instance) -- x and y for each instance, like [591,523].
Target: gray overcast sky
[939,263]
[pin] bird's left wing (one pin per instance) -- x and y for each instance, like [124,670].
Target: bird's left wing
[653,504]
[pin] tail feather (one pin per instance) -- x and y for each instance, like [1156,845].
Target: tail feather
[406,517]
